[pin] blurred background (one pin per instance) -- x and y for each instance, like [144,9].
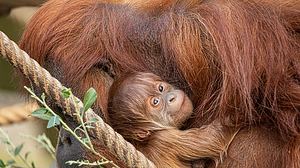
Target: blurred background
[14,106]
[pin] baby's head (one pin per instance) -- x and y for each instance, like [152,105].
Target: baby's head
[142,103]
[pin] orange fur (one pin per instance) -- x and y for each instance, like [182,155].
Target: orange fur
[237,60]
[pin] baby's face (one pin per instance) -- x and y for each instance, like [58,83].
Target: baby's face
[162,102]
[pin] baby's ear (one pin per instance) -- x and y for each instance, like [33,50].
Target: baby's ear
[142,135]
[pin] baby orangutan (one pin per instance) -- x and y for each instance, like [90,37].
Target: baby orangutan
[148,112]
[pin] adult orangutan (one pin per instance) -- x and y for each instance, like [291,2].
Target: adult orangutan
[237,60]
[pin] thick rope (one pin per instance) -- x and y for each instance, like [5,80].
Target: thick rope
[16,113]
[42,79]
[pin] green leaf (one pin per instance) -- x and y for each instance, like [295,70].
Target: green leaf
[42,113]
[6,142]
[66,93]
[89,98]
[2,164]
[32,165]
[26,155]
[54,121]
[10,162]
[18,149]
[85,140]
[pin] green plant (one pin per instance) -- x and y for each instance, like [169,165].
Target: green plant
[45,142]
[14,152]
[46,113]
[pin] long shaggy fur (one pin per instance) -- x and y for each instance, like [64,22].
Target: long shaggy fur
[238,60]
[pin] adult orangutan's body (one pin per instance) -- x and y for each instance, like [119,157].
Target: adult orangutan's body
[237,60]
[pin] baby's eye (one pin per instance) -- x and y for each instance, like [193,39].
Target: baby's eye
[155,101]
[161,87]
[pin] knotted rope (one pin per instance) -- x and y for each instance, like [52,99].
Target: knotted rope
[42,79]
